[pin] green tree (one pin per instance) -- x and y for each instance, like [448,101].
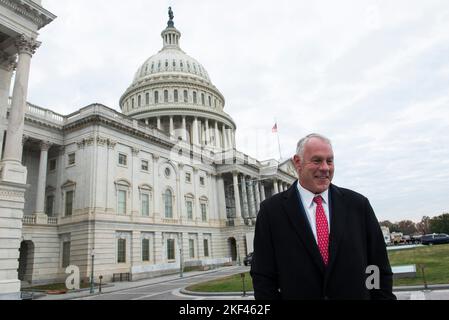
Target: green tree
[407,227]
[440,224]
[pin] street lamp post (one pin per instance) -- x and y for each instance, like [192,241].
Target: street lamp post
[238,255]
[92,254]
[181,262]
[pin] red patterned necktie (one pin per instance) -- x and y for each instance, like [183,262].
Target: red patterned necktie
[322,229]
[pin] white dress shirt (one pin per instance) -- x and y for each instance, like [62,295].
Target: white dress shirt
[310,206]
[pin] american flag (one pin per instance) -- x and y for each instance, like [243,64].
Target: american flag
[275,128]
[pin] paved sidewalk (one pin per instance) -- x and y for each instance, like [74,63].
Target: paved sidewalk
[119,286]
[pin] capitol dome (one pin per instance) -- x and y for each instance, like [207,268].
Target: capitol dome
[171,60]
[172,92]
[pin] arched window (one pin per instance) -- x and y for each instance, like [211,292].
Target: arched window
[156,96]
[165,95]
[194,97]
[210,101]
[203,102]
[132,103]
[139,101]
[176,95]
[168,204]
[186,96]
[147,98]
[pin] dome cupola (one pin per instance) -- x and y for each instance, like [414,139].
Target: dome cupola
[173,92]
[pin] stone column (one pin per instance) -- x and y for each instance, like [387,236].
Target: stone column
[262,192]
[275,186]
[217,135]
[195,131]
[200,133]
[221,201]
[184,128]
[238,209]
[159,125]
[196,204]
[245,197]
[257,193]
[12,170]
[13,176]
[251,200]
[180,183]
[172,127]
[156,194]
[279,186]
[42,178]
[7,65]
[207,132]
[229,135]
[136,207]
[223,131]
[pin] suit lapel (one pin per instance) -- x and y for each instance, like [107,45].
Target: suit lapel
[295,212]
[338,220]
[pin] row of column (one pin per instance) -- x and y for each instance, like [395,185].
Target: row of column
[251,193]
[280,186]
[248,197]
[224,136]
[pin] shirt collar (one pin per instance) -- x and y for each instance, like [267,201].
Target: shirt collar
[308,196]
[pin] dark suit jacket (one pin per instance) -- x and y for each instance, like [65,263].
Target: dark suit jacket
[287,263]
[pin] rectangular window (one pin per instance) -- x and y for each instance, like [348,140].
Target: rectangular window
[121,202]
[171,249]
[145,249]
[176,95]
[156,97]
[206,247]
[65,254]
[122,159]
[202,181]
[166,96]
[189,206]
[188,177]
[49,205]
[71,159]
[186,96]
[147,98]
[203,212]
[144,165]
[52,165]
[121,251]
[145,205]
[191,248]
[68,203]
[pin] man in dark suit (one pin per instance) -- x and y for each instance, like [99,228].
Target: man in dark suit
[316,240]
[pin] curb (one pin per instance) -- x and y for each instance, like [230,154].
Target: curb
[139,286]
[421,287]
[216,294]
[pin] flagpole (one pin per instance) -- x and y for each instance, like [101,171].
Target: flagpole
[279,142]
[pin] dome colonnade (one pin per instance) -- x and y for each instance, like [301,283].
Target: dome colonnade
[172,92]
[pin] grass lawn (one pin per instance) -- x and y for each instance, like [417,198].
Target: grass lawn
[434,258]
[229,284]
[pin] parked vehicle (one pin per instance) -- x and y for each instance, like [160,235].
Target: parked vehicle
[436,238]
[248,259]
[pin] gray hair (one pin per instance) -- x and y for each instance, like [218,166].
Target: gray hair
[302,143]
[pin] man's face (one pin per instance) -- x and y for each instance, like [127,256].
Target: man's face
[316,169]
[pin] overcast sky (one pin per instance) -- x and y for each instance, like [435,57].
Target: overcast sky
[371,75]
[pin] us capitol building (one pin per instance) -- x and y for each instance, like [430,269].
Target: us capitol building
[143,190]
